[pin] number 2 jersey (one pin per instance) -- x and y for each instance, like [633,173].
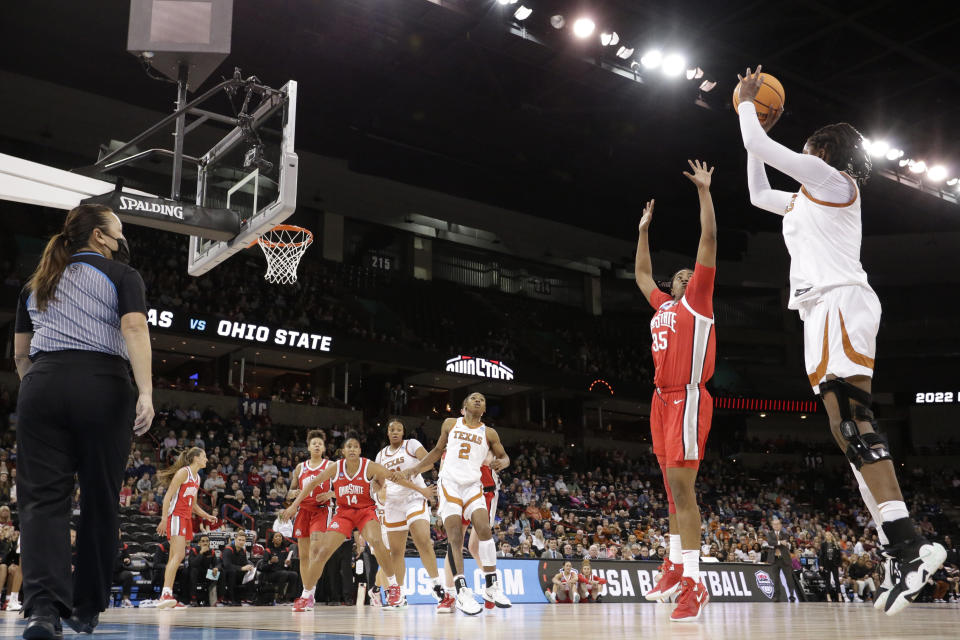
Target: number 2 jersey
[683,336]
[466,449]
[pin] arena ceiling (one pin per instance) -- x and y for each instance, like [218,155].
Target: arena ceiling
[443,95]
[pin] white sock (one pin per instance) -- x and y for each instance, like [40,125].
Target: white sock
[676,551]
[167,591]
[307,593]
[893,510]
[691,564]
[391,581]
[871,504]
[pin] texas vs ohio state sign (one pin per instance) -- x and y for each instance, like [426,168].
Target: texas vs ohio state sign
[493,369]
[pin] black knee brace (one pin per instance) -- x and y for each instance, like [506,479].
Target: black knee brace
[862,448]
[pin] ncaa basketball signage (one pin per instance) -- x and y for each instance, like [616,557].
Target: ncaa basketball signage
[493,369]
[526,581]
[171,215]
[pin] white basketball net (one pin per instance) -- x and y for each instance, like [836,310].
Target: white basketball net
[283,246]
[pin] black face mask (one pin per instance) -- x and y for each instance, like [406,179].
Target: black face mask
[122,254]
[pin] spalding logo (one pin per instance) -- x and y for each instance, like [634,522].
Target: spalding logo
[764,583]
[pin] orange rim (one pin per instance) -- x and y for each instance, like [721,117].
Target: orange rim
[282,245]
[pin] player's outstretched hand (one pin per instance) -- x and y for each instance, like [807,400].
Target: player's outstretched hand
[498,464]
[429,492]
[162,527]
[647,215]
[750,84]
[702,174]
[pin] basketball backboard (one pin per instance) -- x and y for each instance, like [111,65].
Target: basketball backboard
[252,171]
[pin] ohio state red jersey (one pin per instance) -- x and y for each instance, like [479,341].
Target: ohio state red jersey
[306,473]
[183,502]
[353,492]
[684,341]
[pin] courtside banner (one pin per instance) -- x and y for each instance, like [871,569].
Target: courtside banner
[525,581]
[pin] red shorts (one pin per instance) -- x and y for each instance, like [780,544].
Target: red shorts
[310,521]
[680,423]
[346,520]
[179,526]
[489,497]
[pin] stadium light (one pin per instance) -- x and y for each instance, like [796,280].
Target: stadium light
[952,181]
[652,59]
[937,173]
[707,86]
[507,1]
[522,13]
[894,154]
[674,64]
[624,52]
[905,162]
[918,167]
[583,27]
[557,21]
[879,148]
[609,39]
[694,74]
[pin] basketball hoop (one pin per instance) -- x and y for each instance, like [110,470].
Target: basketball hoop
[283,246]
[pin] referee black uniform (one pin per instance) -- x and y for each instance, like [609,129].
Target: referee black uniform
[76,412]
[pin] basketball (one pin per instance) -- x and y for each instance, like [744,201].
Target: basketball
[769,98]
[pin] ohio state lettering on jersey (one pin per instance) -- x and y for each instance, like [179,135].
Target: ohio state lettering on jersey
[183,501]
[683,338]
[306,473]
[353,492]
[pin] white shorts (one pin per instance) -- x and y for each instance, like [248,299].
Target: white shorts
[840,333]
[399,514]
[457,499]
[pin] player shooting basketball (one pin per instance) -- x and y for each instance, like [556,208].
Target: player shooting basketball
[841,316]
[684,347]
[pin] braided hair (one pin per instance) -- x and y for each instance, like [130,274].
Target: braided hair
[843,150]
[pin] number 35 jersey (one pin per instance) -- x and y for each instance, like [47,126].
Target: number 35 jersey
[466,449]
[684,342]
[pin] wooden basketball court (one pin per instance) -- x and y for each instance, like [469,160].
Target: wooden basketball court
[814,621]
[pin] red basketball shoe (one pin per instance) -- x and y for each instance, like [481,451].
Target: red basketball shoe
[669,582]
[693,598]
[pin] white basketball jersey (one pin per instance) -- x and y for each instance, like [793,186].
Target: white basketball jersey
[466,449]
[824,244]
[400,460]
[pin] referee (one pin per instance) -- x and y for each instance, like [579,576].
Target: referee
[81,326]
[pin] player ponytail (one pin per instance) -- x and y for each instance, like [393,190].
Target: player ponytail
[843,149]
[80,223]
[185,458]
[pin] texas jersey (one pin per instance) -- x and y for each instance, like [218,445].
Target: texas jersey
[683,338]
[306,473]
[183,502]
[466,449]
[823,240]
[352,491]
[404,457]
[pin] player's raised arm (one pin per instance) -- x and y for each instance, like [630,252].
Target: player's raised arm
[501,460]
[427,462]
[807,169]
[642,266]
[701,178]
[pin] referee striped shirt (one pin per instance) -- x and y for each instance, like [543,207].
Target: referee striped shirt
[84,314]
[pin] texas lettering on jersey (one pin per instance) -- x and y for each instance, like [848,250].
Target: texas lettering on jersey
[470,437]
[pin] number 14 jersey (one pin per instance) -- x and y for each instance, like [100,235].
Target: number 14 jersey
[684,343]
